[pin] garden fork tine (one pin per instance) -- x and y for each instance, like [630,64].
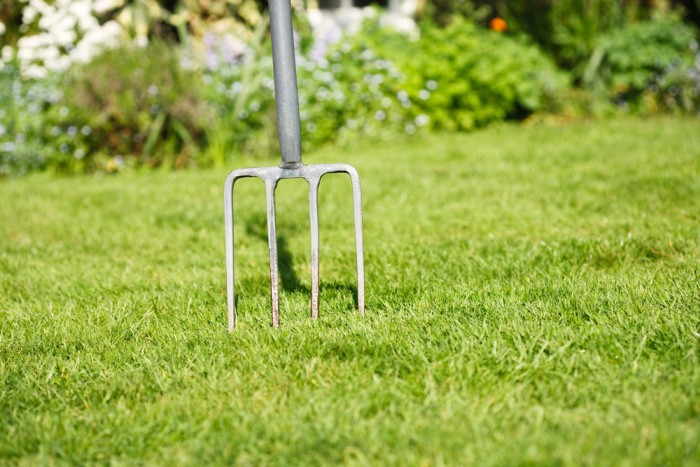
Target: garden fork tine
[289,130]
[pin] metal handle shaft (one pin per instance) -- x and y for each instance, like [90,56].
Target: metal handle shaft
[286,96]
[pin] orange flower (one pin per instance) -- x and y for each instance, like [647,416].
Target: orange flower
[498,24]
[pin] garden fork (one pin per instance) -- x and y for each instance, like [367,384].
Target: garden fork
[288,127]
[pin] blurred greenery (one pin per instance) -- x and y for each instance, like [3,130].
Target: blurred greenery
[140,103]
[191,83]
[464,77]
[650,66]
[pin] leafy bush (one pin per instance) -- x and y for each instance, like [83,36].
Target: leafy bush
[346,92]
[23,106]
[130,106]
[379,82]
[443,12]
[352,93]
[567,30]
[651,66]
[463,77]
[238,84]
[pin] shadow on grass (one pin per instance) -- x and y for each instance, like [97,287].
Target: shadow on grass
[289,281]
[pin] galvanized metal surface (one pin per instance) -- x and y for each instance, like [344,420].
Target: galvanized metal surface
[271,176]
[286,96]
[288,127]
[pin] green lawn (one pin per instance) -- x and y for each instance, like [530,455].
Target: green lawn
[533,296]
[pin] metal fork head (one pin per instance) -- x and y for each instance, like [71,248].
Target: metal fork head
[271,176]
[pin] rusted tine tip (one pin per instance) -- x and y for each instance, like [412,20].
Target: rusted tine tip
[271,176]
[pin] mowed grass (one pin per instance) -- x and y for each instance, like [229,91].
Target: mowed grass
[533,297]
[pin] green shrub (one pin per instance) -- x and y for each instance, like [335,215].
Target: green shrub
[567,30]
[352,93]
[23,106]
[135,106]
[463,76]
[346,92]
[238,85]
[651,66]
[380,83]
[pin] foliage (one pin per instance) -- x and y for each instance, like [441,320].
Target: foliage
[10,21]
[443,12]
[532,299]
[238,84]
[651,66]
[132,105]
[55,35]
[353,93]
[380,82]
[23,107]
[141,106]
[568,30]
[463,76]
[186,20]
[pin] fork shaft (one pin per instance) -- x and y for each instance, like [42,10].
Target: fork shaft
[286,95]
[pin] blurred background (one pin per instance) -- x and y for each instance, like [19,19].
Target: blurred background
[113,85]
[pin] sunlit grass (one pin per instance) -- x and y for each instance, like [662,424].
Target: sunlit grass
[533,297]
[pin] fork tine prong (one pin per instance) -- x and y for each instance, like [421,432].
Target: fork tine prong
[228,223]
[313,221]
[270,185]
[359,243]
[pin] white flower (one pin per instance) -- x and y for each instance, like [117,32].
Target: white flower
[6,53]
[24,54]
[35,71]
[80,9]
[56,45]
[422,120]
[57,21]
[61,63]
[65,38]
[2,28]
[30,42]
[28,14]
[48,53]
[102,6]
[431,85]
